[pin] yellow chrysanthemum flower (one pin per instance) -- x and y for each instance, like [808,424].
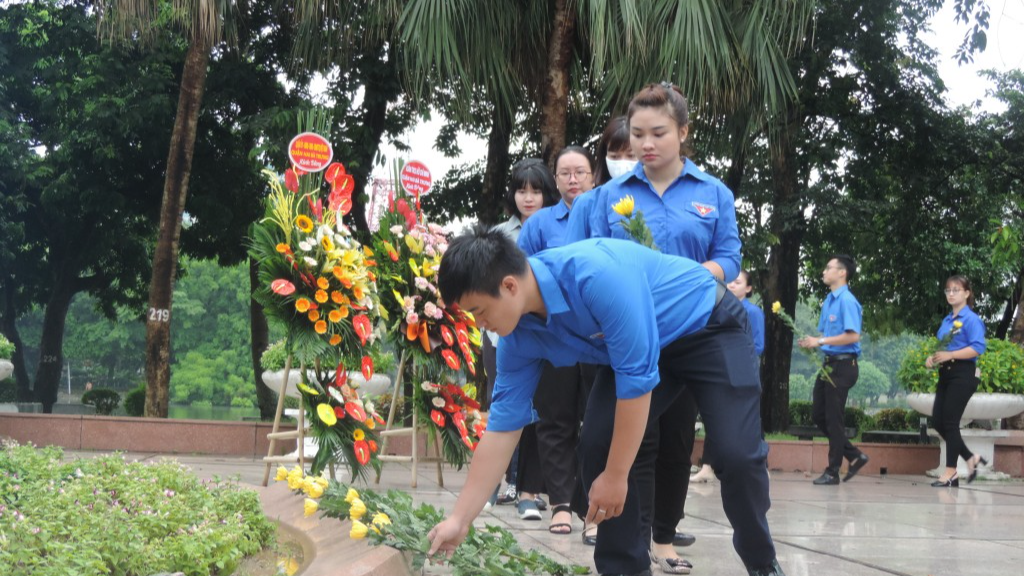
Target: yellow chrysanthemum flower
[315,490]
[321,481]
[309,507]
[381,519]
[323,283]
[294,483]
[337,297]
[326,414]
[282,474]
[624,207]
[359,435]
[335,316]
[313,315]
[321,296]
[358,531]
[958,324]
[357,510]
[335,340]
[302,222]
[307,483]
[776,306]
[302,305]
[320,327]
[351,495]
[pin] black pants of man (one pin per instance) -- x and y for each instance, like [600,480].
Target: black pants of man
[719,365]
[676,433]
[957,383]
[828,410]
[559,400]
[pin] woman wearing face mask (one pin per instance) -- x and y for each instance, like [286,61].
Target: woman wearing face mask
[531,189]
[741,288]
[560,396]
[958,377]
[690,214]
[614,155]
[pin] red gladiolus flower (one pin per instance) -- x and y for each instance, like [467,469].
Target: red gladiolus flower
[282,287]
[437,417]
[356,411]
[367,368]
[361,324]
[333,171]
[451,359]
[446,335]
[362,450]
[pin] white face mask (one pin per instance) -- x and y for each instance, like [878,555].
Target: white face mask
[617,168]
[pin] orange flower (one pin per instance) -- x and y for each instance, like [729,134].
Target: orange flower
[320,327]
[283,248]
[313,315]
[335,316]
[358,292]
[321,296]
[323,283]
[302,304]
[336,339]
[337,297]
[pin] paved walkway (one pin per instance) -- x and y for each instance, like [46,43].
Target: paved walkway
[872,526]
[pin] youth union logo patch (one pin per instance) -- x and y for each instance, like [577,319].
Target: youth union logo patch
[703,209]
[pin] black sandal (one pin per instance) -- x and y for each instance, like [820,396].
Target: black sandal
[559,527]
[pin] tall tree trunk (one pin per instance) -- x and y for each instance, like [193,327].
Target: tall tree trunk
[51,344]
[1003,328]
[787,223]
[165,258]
[496,172]
[9,328]
[554,106]
[260,338]
[1016,334]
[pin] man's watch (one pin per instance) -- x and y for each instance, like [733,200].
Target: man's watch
[821,341]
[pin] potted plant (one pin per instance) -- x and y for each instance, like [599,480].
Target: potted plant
[1000,393]
[274,358]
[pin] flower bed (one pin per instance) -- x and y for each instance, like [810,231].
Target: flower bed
[108,516]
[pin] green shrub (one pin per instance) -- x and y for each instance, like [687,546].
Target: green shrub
[8,390]
[135,401]
[856,418]
[1002,368]
[800,413]
[914,420]
[800,387]
[6,348]
[106,516]
[104,399]
[894,419]
[274,356]
[383,403]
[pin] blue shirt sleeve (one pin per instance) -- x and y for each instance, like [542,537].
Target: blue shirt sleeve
[725,243]
[514,386]
[578,227]
[629,325]
[757,328]
[530,240]
[850,310]
[974,333]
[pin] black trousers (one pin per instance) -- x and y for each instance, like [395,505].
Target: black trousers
[718,364]
[559,400]
[957,383]
[828,410]
[676,434]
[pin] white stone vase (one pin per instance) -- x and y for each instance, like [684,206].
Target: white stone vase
[378,384]
[6,369]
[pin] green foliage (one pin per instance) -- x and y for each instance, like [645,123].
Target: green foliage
[856,418]
[135,401]
[893,419]
[6,348]
[871,383]
[1002,368]
[274,357]
[8,391]
[103,515]
[800,388]
[104,399]
[491,551]
[800,413]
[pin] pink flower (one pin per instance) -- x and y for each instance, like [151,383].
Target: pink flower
[421,283]
[430,309]
[412,318]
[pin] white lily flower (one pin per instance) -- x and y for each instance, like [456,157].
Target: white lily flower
[307,245]
[437,401]
[336,394]
[309,261]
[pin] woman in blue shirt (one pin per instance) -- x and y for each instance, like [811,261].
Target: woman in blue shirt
[958,376]
[690,214]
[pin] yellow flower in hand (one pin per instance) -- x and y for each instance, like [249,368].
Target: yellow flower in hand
[357,510]
[351,495]
[358,531]
[309,507]
[624,207]
[282,474]
[958,324]
[776,306]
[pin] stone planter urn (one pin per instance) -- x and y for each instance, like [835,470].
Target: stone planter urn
[982,406]
[378,384]
[6,369]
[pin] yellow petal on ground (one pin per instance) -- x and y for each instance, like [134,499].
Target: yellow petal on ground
[358,531]
[357,510]
[282,474]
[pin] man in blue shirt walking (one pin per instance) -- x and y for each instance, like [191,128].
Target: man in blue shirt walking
[651,321]
[839,331]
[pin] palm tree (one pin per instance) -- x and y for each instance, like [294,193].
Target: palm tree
[205,24]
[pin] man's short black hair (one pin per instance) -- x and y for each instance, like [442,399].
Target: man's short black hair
[476,261]
[847,263]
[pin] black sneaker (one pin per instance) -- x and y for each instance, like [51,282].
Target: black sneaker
[825,479]
[509,496]
[773,569]
[855,467]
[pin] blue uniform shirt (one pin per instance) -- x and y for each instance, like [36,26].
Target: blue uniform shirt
[756,316]
[694,218]
[840,313]
[972,333]
[545,229]
[609,302]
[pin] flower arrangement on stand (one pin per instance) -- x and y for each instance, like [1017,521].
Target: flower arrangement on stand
[440,344]
[391,519]
[319,282]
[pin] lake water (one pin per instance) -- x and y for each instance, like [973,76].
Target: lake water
[229,413]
